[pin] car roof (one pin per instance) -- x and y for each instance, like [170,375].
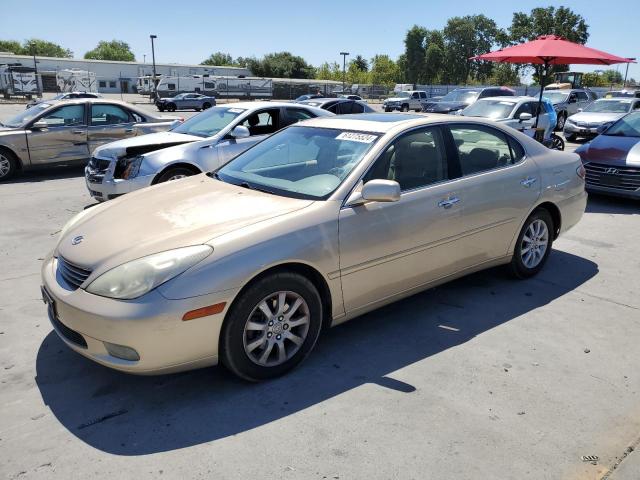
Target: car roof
[511,98]
[367,122]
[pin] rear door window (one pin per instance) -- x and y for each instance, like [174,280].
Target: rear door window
[103,114]
[482,148]
[263,122]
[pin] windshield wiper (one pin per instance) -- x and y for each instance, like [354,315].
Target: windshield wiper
[253,187]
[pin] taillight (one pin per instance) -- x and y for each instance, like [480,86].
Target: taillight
[582,173]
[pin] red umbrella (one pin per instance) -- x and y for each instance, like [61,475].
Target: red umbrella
[551,50]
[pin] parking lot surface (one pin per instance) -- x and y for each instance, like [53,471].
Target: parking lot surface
[485,377]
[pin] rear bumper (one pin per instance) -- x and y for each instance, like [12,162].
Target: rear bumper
[571,210]
[151,325]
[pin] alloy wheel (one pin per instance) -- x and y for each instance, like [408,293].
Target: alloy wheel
[5,166]
[276,328]
[534,244]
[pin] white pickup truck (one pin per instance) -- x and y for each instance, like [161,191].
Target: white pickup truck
[405,101]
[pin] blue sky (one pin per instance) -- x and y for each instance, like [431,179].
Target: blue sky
[189,31]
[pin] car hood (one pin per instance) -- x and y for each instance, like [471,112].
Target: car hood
[610,150]
[143,144]
[397,99]
[596,117]
[191,211]
[444,106]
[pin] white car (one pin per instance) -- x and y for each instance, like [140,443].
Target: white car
[203,143]
[515,112]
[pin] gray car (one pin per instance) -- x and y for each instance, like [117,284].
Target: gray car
[203,143]
[568,102]
[186,101]
[67,131]
[600,113]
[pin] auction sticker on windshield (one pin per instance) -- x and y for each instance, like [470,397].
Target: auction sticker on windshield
[236,110]
[356,137]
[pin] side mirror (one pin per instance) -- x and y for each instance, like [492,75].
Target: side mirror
[240,132]
[40,125]
[524,116]
[375,191]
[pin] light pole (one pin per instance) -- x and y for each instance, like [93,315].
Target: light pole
[153,57]
[35,68]
[144,58]
[344,68]
[624,85]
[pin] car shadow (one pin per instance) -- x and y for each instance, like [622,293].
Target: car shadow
[131,415]
[613,205]
[42,174]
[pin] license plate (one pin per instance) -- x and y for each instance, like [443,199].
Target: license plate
[48,301]
[610,180]
[584,130]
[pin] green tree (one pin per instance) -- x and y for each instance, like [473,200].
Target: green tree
[612,76]
[355,74]
[282,65]
[561,21]
[414,51]
[111,50]
[219,58]
[505,74]
[12,46]
[384,71]
[434,56]
[360,63]
[44,48]
[467,37]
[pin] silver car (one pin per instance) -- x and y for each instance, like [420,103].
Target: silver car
[128,165]
[67,131]
[186,101]
[601,113]
[568,102]
[319,223]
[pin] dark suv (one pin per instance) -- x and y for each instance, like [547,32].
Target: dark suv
[463,97]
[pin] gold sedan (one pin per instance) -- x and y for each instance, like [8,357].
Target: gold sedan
[319,223]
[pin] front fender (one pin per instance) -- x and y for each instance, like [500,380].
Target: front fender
[17,143]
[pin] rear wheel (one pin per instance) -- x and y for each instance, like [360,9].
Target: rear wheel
[8,165]
[206,105]
[272,327]
[556,142]
[161,109]
[175,174]
[533,245]
[562,118]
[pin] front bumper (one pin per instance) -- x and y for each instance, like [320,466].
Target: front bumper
[615,192]
[391,107]
[574,129]
[102,186]
[151,325]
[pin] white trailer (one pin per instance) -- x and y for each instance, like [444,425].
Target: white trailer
[218,86]
[16,81]
[75,80]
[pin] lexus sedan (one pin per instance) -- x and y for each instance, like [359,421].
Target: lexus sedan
[612,159]
[186,101]
[65,132]
[598,114]
[202,143]
[321,222]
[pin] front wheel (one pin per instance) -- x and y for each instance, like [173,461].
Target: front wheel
[533,245]
[562,118]
[8,165]
[556,142]
[271,327]
[404,108]
[175,174]
[206,105]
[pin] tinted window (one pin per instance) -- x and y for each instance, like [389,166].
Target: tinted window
[108,115]
[357,108]
[345,108]
[414,160]
[481,148]
[582,96]
[415,95]
[262,123]
[298,114]
[67,116]
[423,94]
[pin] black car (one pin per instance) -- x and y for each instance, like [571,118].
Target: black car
[340,106]
[463,97]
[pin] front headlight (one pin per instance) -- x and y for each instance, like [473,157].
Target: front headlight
[132,167]
[137,277]
[570,121]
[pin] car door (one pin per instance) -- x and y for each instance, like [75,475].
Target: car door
[260,124]
[108,123]
[390,248]
[63,139]
[499,185]
[583,100]
[572,103]
[525,107]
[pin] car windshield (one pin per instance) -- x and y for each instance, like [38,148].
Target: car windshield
[556,97]
[299,162]
[628,126]
[463,96]
[403,95]
[494,109]
[209,122]
[26,116]
[623,93]
[609,106]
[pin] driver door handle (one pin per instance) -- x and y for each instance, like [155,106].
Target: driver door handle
[448,202]
[79,132]
[527,182]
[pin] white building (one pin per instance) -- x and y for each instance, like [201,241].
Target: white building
[114,76]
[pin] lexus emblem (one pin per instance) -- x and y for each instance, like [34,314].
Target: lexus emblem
[77,240]
[611,171]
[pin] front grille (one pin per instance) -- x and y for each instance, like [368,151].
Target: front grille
[96,169]
[73,275]
[623,178]
[99,164]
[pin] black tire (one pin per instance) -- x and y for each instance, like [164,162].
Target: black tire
[556,142]
[197,109]
[171,107]
[388,110]
[571,137]
[517,265]
[8,164]
[174,172]
[206,105]
[404,108]
[161,109]
[562,118]
[232,349]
